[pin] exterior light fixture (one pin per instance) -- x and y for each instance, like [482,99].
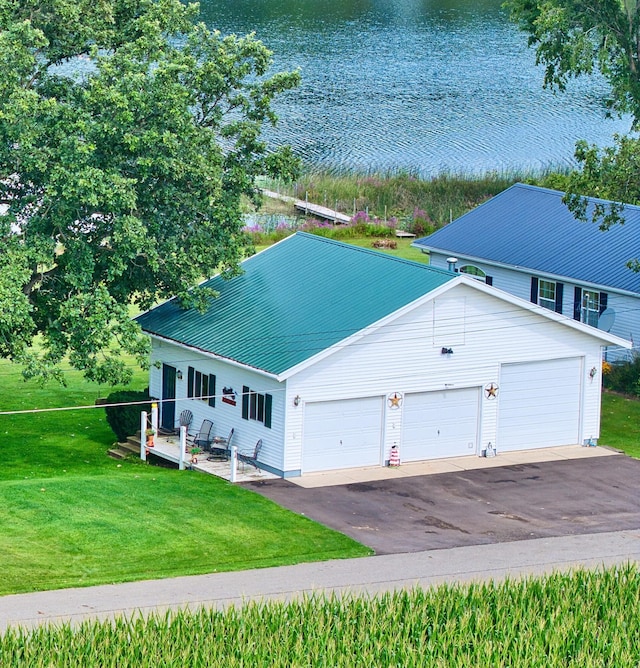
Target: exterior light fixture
[179,374]
[296,400]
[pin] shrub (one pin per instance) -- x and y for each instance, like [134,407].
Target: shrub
[125,420]
[623,377]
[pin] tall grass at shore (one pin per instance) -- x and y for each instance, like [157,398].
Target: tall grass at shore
[579,619]
[425,203]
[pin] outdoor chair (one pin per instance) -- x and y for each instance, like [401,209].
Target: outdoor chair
[185,420]
[203,438]
[251,458]
[221,447]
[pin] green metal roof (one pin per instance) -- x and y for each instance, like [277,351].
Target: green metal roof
[294,300]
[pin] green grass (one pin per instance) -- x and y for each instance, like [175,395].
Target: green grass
[582,620]
[620,423]
[403,249]
[74,517]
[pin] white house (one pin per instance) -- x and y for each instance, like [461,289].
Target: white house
[526,241]
[332,354]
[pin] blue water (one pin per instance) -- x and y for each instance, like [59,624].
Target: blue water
[415,84]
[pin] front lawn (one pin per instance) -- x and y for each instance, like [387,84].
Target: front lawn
[620,423]
[74,517]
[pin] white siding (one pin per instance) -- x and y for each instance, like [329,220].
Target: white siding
[518,283]
[224,416]
[401,357]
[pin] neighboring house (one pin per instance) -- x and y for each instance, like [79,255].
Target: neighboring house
[331,354]
[527,242]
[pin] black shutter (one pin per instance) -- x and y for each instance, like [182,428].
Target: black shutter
[559,291]
[534,289]
[245,402]
[488,280]
[603,302]
[190,373]
[212,390]
[198,385]
[577,299]
[268,401]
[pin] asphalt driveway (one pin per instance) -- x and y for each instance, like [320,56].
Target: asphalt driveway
[493,505]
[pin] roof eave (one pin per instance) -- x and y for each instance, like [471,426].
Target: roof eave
[207,353]
[530,270]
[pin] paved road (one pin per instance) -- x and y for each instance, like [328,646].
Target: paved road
[368,574]
[474,507]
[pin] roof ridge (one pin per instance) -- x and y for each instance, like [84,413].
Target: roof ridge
[553,191]
[374,253]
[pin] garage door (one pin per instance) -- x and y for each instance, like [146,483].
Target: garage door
[439,424]
[539,404]
[342,434]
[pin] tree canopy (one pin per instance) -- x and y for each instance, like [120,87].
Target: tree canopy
[578,37]
[128,135]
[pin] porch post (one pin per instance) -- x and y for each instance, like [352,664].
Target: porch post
[183,447]
[234,463]
[143,438]
[154,417]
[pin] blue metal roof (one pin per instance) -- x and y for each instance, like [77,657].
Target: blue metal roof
[530,227]
[294,300]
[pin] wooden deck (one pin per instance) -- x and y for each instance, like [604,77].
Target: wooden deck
[168,448]
[308,208]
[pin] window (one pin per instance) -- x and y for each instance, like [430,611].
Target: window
[476,272]
[547,294]
[588,305]
[201,386]
[256,406]
[590,308]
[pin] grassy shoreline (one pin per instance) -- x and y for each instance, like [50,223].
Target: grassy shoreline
[427,202]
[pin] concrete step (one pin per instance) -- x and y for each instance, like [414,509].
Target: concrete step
[117,453]
[132,444]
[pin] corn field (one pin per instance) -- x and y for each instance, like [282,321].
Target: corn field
[581,619]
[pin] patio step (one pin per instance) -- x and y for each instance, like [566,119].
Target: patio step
[123,450]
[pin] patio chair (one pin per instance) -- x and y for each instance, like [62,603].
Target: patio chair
[185,420]
[203,438]
[251,458]
[221,447]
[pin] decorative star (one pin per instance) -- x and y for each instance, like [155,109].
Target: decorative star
[491,390]
[394,400]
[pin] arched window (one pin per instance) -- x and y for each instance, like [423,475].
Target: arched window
[471,270]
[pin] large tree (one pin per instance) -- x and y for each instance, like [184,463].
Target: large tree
[129,134]
[578,37]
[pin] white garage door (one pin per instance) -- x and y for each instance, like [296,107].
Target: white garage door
[439,424]
[342,434]
[539,404]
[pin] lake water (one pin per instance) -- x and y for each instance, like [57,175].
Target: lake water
[425,85]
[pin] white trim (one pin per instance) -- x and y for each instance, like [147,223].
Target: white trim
[369,329]
[561,278]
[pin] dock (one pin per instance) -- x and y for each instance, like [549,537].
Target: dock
[308,208]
